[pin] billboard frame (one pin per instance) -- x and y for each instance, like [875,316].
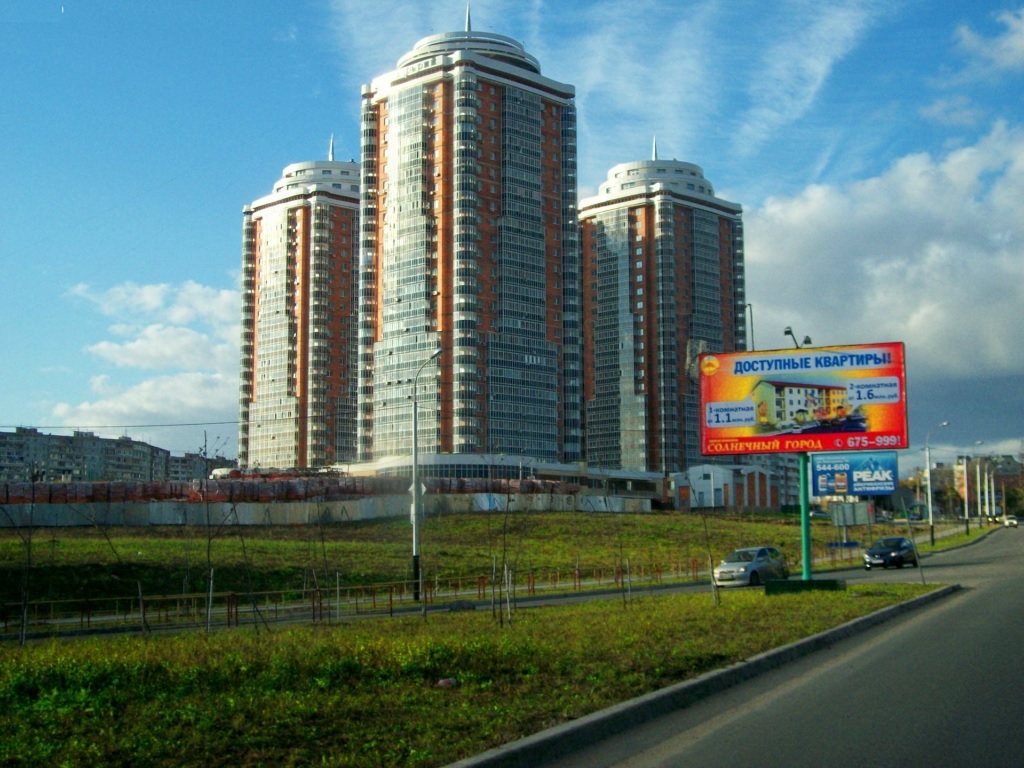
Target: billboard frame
[809,399]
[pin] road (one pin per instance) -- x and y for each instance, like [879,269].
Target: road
[940,686]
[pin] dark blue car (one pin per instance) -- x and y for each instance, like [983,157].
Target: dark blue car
[895,551]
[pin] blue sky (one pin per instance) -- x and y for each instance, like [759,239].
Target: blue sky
[877,147]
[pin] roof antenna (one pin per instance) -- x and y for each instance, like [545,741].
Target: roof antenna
[330,150]
[654,149]
[469,25]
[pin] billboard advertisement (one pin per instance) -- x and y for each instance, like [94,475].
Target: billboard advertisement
[859,473]
[804,400]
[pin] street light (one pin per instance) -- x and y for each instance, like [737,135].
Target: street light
[789,332]
[805,502]
[928,470]
[977,491]
[417,575]
[990,490]
[751,308]
[967,490]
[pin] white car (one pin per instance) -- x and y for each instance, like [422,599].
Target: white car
[750,567]
[1010,521]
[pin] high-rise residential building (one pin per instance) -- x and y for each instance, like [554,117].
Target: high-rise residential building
[663,277]
[470,246]
[297,400]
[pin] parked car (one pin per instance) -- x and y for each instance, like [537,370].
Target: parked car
[894,551]
[750,567]
[1010,521]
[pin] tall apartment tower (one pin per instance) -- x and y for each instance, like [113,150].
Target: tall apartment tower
[297,400]
[469,245]
[662,274]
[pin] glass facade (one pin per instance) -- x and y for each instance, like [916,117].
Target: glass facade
[297,393]
[469,245]
[662,268]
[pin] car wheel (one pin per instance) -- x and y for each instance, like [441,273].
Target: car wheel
[755,579]
[867,567]
[899,563]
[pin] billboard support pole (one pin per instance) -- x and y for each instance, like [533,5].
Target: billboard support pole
[805,518]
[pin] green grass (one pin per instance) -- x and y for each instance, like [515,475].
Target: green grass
[92,562]
[366,693]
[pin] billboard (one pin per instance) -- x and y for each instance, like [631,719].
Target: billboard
[803,400]
[859,473]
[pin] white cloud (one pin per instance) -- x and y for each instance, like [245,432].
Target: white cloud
[931,252]
[956,111]
[619,55]
[792,70]
[195,398]
[157,347]
[127,298]
[188,303]
[160,399]
[290,34]
[1004,51]
[361,35]
[188,331]
[194,302]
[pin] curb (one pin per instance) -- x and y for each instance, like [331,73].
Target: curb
[562,740]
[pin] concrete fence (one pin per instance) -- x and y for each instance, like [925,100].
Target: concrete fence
[302,512]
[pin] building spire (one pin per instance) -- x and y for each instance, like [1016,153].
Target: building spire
[654,149]
[330,150]
[469,25]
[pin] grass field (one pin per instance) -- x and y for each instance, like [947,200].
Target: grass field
[389,691]
[91,562]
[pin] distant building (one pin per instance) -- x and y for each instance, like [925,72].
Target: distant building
[663,278]
[717,485]
[469,245]
[195,466]
[28,455]
[297,398]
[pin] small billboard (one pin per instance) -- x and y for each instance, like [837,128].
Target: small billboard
[860,473]
[804,400]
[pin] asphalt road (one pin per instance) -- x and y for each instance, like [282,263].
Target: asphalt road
[939,686]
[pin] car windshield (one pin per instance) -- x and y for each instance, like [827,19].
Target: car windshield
[741,556]
[888,543]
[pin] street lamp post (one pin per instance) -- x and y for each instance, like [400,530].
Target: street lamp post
[789,332]
[978,492]
[805,501]
[417,574]
[928,471]
[989,491]
[750,307]
[967,493]
[967,490]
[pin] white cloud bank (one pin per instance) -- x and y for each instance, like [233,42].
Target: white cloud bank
[189,333]
[931,252]
[1003,51]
